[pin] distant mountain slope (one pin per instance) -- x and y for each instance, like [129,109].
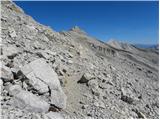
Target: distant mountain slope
[147,46]
[120,45]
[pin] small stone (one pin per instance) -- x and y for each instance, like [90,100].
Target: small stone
[70,55]
[84,106]
[6,74]
[85,78]
[10,52]
[93,84]
[51,52]
[42,54]
[14,89]
[127,96]
[102,105]
[96,104]
[12,33]
[1,85]
[70,62]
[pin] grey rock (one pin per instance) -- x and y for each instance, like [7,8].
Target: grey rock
[99,104]
[120,66]
[53,115]
[1,85]
[28,101]
[6,73]
[33,79]
[43,54]
[14,89]
[50,52]
[42,72]
[128,96]
[40,76]
[70,62]
[58,98]
[85,78]
[85,106]
[93,84]
[139,114]
[10,52]
[12,33]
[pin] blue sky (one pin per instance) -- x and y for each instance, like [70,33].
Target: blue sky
[132,22]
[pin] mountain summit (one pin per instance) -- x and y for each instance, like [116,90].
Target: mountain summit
[77,30]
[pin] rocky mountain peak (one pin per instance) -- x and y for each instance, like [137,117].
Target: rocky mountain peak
[77,29]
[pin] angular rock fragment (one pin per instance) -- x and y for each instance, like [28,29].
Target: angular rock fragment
[43,54]
[85,78]
[14,89]
[70,62]
[93,84]
[1,85]
[140,114]
[58,98]
[12,33]
[28,101]
[53,115]
[41,76]
[42,72]
[10,52]
[127,96]
[6,74]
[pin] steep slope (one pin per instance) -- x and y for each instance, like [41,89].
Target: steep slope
[99,80]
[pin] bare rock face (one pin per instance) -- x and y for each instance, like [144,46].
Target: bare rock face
[43,78]
[77,30]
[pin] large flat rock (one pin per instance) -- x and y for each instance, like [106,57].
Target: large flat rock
[42,77]
[28,101]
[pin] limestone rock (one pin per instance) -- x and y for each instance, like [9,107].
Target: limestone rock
[93,84]
[128,96]
[53,115]
[28,101]
[33,80]
[40,76]
[12,33]
[14,89]
[85,78]
[6,73]
[10,52]
[58,98]
[1,85]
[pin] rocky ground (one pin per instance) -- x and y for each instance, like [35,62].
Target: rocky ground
[49,74]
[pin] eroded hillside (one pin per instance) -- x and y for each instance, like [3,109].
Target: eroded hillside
[49,74]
